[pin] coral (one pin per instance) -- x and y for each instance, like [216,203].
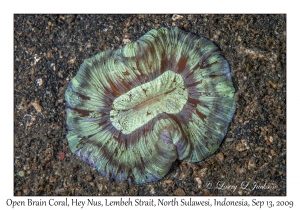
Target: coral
[133,111]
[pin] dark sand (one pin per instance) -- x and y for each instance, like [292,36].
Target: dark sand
[48,50]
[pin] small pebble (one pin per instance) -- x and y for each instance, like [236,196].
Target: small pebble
[272,84]
[61,155]
[126,41]
[270,139]
[202,172]
[220,156]
[26,191]
[52,180]
[251,163]
[273,153]
[40,82]
[177,17]
[37,106]
[240,170]
[100,187]
[229,139]
[242,145]
[240,192]
[89,177]
[179,192]
[198,180]
[152,191]
[206,192]
[168,182]
[21,173]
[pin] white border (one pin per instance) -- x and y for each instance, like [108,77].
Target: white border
[8,8]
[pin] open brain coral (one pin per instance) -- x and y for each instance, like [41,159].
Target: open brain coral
[133,111]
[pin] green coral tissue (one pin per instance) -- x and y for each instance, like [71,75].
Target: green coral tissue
[133,111]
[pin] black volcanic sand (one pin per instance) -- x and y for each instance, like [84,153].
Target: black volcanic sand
[48,50]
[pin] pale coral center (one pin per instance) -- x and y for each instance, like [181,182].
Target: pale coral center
[165,94]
